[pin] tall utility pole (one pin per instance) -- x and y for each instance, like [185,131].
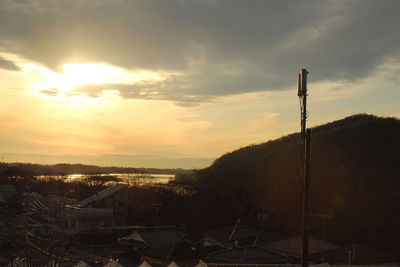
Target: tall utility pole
[304,165]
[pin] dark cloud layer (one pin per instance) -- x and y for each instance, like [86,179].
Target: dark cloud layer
[219,47]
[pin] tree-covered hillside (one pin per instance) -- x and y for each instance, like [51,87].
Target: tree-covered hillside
[355,176]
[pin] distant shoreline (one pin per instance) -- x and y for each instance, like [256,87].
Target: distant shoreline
[69,169]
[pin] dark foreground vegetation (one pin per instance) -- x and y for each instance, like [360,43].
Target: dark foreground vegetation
[355,178]
[355,173]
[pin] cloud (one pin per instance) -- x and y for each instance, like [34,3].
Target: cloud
[8,65]
[219,47]
[156,90]
[50,92]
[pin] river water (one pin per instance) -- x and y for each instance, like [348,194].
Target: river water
[132,178]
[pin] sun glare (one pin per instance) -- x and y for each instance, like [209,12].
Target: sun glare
[74,75]
[60,85]
[90,73]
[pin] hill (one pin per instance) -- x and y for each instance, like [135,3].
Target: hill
[355,176]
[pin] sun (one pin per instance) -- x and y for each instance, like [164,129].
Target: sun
[92,73]
[77,74]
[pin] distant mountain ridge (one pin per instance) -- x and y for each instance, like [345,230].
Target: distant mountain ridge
[121,160]
[355,176]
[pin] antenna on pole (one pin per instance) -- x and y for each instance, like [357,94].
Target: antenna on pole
[304,164]
[302,93]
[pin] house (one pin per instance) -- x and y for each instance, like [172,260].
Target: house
[114,197]
[258,240]
[100,213]
[355,254]
[246,255]
[160,245]
[144,264]
[113,263]
[239,236]
[87,220]
[227,236]
[291,247]
[182,253]
[152,237]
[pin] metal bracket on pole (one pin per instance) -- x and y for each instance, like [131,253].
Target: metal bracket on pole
[302,94]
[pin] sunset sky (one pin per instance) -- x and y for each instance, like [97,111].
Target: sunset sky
[177,83]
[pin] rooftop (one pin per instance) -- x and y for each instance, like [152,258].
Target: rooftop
[249,255]
[102,194]
[292,246]
[153,237]
[231,233]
